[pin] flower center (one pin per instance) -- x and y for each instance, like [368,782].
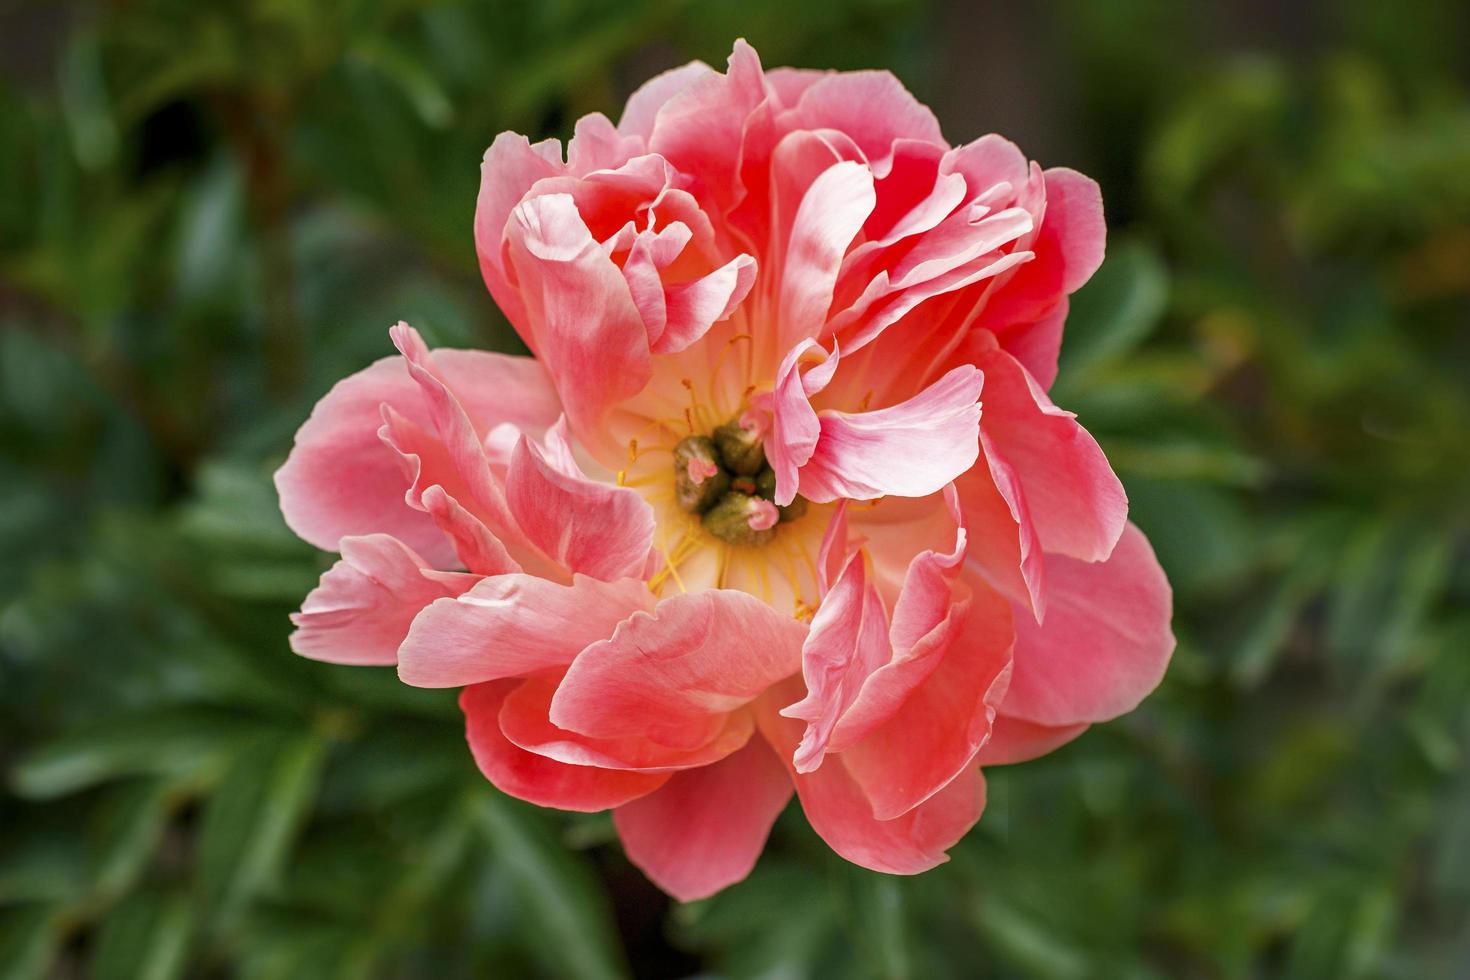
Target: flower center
[725,480]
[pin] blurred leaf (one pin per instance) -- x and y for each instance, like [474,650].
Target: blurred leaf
[1117,309]
[28,941]
[561,901]
[251,820]
[145,938]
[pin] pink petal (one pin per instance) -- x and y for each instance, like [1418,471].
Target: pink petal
[831,214]
[525,720]
[795,427]
[598,529]
[341,480]
[1013,740]
[588,333]
[912,449]
[931,736]
[673,675]
[840,813]
[362,609]
[537,779]
[644,104]
[1004,549]
[1075,501]
[1105,643]
[695,306]
[597,145]
[509,625]
[872,107]
[848,641]
[705,828]
[510,167]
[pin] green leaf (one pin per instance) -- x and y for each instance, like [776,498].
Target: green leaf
[563,904]
[145,937]
[190,743]
[251,820]
[881,923]
[1116,310]
[28,941]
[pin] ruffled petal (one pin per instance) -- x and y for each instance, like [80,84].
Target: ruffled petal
[673,675]
[1105,643]
[839,811]
[535,778]
[585,526]
[704,829]
[362,609]
[510,625]
[912,449]
[1074,499]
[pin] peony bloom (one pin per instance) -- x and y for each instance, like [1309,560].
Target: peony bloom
[780,504]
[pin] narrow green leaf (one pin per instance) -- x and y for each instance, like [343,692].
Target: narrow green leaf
[145,937]
[251,820]
[562,901]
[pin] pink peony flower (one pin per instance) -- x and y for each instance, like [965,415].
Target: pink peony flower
[781,503]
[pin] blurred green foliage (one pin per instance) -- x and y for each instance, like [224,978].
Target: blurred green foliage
[212,210]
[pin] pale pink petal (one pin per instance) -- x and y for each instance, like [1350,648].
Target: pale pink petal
[832,212]
[509,625]
[840,813]
[584,525]
[511,166]
[795,427]
[479,550]
[1013,740]
[848,641]
[695,306]
[644,104]
[588,333]
[911,449]
[525,720]
[673,675]
[704,829]
[597,145]
[340,478]
[537,779]
[362,609]
[1075,501]
[1105,643]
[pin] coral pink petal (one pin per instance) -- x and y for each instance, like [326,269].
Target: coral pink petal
[525,720]
[694,307]
[1105,643]
[341,480]
[932,735]
[479,550]
[1013,740]
[872,107]
[511,166]
[673,675]
[831,214]
[912,449]
[362,609]
[642,107]
[840,813]
[795,427]
[510,625]
[704,829]
[588,332]
[537,779]
[848,641]
[1075,501]
[1004,549]
[584,525]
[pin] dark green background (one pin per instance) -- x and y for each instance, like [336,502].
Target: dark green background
[209,211]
